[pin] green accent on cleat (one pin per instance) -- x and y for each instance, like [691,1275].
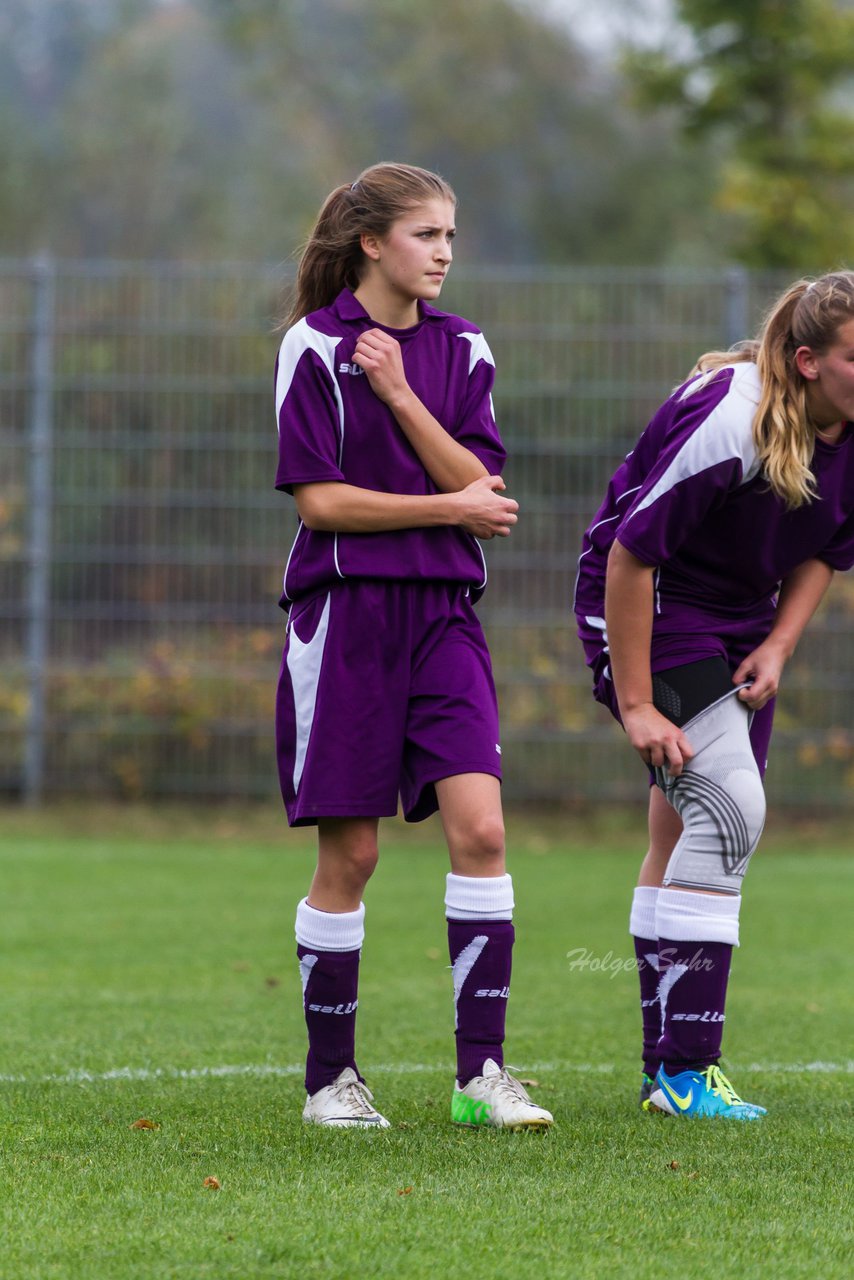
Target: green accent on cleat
[470,1111]
[646,1088]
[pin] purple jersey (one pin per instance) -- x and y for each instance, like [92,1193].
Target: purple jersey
[333,427]
[691,500]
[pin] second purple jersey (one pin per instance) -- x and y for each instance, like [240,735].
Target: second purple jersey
[691,500]
[333,427]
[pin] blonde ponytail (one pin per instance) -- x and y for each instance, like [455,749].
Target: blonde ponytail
[807,314]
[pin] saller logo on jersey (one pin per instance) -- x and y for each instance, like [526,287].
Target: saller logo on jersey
[502,992]
[354,369]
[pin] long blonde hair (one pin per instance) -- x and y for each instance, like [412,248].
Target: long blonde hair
[808,314]
[332,258]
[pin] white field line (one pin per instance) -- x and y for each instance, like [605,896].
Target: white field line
[262,1071]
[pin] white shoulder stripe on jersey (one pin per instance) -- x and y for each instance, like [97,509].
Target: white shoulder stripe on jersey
[727,433]
[296,342]
[479,349]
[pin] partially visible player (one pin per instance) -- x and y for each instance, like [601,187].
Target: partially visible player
[715,543]
[388,443]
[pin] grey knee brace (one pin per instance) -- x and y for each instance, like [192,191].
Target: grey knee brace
[719,797]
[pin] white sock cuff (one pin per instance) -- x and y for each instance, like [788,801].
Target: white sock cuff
[697,917]
[330,930]
[642,917]
[479,898]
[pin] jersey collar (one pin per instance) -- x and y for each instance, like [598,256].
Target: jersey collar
[348,307]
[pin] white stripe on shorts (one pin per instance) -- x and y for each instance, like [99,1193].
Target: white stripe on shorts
[304,661]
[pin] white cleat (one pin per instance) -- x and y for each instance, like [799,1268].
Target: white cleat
[497,1099]
[344,1104]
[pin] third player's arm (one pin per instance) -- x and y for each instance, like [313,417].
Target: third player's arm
[800,596]
[628,620]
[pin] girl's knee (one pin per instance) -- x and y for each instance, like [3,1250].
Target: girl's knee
[358,863]
[480,844]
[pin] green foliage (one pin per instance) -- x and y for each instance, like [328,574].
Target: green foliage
[773,79]
[213,129]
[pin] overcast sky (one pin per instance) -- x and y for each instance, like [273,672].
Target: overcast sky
[609,21]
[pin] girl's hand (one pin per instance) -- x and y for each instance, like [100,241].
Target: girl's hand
[658,741]
[379,355]
[763,667]
[483,511]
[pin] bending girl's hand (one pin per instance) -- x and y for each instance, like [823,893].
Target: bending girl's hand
[379,355]
[763,667]
[483,511]
[658,740]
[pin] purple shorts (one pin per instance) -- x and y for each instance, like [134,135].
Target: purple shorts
[732,641]
[385,688]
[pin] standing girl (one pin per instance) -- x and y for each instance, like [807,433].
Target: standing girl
[388,443]
[717,539]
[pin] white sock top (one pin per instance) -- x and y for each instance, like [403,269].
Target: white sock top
[642,917]
[479,897]
[697,917]
[330,930]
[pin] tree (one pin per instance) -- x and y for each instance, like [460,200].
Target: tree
[213,128]
[771,81]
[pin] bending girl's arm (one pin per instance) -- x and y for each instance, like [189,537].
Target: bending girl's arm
[345,508]
[450,465]
[628,621]
[800,596]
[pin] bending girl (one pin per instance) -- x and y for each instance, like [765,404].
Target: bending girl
[717,539]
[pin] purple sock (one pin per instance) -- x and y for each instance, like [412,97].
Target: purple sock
[329,946]
[480,953]
[646,951]
[642,929]
[331,982]
[692,990]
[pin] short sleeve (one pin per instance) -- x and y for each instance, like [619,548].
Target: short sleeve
[308,410]
[476,428]
[839,551]
[706,452]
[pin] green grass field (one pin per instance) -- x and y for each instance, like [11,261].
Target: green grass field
[148,972]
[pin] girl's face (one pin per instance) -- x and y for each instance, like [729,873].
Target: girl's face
[830,378]
[414,257]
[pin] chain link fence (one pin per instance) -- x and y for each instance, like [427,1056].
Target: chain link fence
[142,543]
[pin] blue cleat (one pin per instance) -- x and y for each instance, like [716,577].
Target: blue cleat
[700,1093]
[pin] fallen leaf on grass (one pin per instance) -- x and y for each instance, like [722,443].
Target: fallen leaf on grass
[674,1164]
[530,1083]
[142,1123]
[213,1184]
[405,1191]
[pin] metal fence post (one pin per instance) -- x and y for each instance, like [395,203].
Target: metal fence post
[736,306]
[39,525]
